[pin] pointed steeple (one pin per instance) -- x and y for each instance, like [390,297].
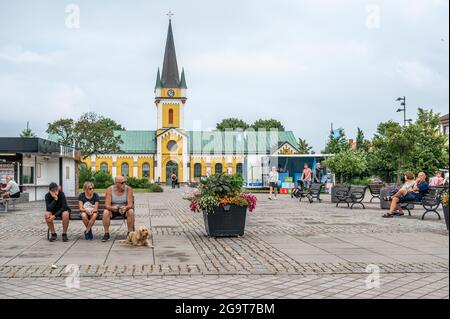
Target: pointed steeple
[158,81]
[183,80]
[170,76]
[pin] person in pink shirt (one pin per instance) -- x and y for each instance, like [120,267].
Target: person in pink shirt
[307,176]
[438,180]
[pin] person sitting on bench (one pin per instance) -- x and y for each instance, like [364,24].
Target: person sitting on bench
[412,191]
[118,201]
[88,202]
[56,205]
[11,190]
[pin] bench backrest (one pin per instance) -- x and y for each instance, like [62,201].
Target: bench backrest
[315,188]
[357,189]
[375,189]
[72,202]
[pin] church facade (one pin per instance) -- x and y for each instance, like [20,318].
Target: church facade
[190,154]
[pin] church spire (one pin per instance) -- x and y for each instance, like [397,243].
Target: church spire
[170,76]
[183,80]
[158,81]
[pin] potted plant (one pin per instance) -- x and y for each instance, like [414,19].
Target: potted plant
[444,200]
[224,205]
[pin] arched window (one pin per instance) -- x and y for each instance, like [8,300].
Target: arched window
[146,170]
[104,167]
[239,169]
[197,170]
[125,168]
[219,168]
[171,116]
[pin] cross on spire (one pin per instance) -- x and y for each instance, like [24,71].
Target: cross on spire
[170,14]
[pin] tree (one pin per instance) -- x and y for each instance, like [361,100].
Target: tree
[27,132]
[392,149]
[304,147]
[361,143]
[92,134]
[430,152]
[232,123]
[347,164]
[63,131]
[337,142]
[268,125]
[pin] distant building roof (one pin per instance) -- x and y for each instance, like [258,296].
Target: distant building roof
[137,142]
[444,119]
[213,142]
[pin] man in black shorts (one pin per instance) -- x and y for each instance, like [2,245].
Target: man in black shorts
[56,206]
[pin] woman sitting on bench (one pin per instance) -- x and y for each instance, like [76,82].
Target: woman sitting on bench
[411,191]
[11,190]
[88,202]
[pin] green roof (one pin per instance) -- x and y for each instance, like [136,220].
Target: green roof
[137,142]
[248,142]
[212,142]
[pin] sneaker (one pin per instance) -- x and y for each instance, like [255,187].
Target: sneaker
[270,198]
[105,237]
[91,235]
[53,237]
[65,238]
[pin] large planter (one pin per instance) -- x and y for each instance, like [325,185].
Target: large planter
[446,214]
[226,221]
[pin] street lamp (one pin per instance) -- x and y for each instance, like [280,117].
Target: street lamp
[403,109]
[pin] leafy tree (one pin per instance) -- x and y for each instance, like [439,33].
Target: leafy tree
[63,130]
[392,148]
[337,142]
[232,123]
[304,147]
[430,151]
[347,164]
[27,133]
[92,134]
[268,125]
[361,143]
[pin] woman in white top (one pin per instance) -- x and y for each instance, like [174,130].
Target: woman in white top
[11,190]
[273,183]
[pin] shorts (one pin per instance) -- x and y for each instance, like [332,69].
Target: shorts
[410,197]
[16,195]
[59,213]
[272,184]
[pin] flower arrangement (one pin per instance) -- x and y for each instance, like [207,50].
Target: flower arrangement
[220,190]
[444,198]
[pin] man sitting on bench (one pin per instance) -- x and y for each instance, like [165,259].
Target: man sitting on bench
[56,204]
[412,191]
[118,201]
[11,190]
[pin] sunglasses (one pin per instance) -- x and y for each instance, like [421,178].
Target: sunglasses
[91,188]
[120,183]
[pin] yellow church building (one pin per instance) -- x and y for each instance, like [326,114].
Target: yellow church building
[190,154]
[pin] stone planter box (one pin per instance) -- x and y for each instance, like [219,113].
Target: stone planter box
[226,221]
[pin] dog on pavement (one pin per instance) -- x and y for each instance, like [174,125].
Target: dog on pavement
[138,238]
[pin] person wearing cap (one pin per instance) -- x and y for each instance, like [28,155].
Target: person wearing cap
[56,206]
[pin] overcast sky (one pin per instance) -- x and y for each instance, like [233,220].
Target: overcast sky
[305,62]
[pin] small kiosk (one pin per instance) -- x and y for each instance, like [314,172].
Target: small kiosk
[35,163]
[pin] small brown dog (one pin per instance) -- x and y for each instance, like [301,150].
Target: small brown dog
[138,238]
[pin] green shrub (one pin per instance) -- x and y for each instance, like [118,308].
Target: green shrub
[155,188]
[103,180]
[84,175]
[143,183]
[133,182]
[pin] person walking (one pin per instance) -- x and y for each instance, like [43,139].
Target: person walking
[273,183]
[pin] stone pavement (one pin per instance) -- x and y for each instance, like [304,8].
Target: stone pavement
[290,250]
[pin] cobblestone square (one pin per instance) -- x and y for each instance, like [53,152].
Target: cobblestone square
[290,250]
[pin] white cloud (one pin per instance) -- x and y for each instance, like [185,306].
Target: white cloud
[419,75]
[16,54]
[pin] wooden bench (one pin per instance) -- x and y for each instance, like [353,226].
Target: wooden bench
[354,195]
[430,202]
[74,214]
[375,190]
